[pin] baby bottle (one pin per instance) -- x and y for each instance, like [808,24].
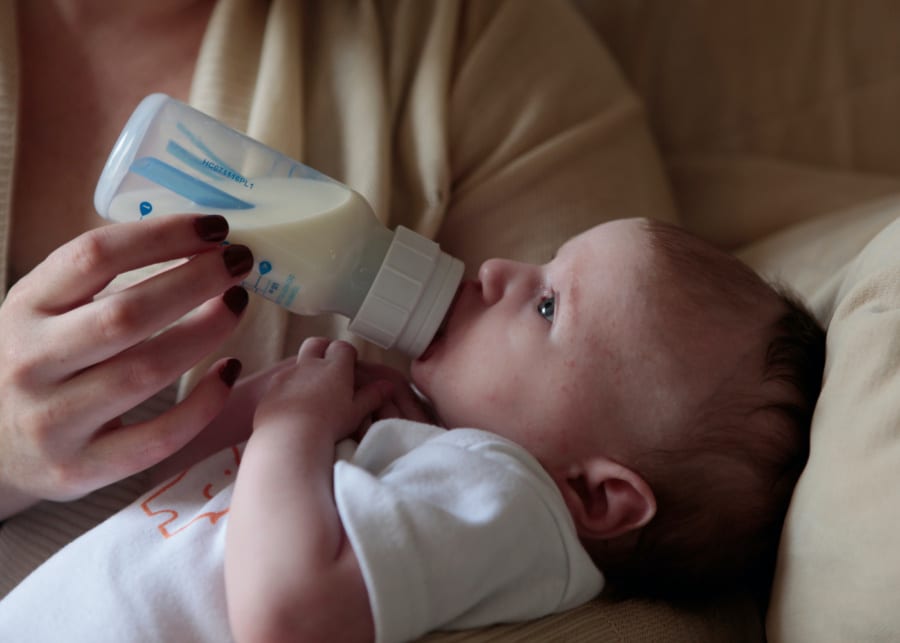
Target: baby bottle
[317,244]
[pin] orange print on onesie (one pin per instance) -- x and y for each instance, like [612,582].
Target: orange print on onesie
[177,500]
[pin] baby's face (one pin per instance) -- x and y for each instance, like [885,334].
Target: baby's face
[584,352]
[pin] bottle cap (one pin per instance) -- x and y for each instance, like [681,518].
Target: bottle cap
[410,294]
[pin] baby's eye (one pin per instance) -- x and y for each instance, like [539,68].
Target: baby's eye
[546,307]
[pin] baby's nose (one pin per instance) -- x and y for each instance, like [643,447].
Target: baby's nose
[493,276]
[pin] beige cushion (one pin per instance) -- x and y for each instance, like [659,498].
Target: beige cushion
[838,575]
[812,257]
[730,619]
[803,80]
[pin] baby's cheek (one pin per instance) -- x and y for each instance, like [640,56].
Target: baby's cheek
[507,393]
[466,401]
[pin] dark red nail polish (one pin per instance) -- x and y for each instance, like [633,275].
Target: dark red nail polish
[238,259]
[236,299]
[229,371]
[212,227]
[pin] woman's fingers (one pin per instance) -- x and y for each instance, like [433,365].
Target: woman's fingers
[132,376]
[104,328]
[124,451]
[79,269]
[73,362]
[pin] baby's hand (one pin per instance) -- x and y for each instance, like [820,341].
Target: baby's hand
[320,392]
[403,402]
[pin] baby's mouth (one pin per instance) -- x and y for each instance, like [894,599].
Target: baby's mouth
[442,329]
[430,349]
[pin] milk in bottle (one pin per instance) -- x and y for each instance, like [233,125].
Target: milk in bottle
[316,243]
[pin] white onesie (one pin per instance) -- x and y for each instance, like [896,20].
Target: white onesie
[452,529]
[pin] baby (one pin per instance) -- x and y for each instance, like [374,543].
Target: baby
[640,409]
[664,389]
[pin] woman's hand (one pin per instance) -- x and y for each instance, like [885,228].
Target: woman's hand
[72,362]
[320,391]
[230,427]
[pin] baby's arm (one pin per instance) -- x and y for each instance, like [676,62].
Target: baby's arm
[290,573]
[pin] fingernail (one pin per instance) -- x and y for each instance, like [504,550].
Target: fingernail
[230,371]
[212,227]
[238,259]
[236,299]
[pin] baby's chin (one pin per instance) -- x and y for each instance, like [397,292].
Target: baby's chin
[434,417]
[422,374]
[418,375]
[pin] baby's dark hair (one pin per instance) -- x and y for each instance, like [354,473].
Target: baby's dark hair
[723,490]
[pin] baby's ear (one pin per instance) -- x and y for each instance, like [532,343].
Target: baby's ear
[606,499]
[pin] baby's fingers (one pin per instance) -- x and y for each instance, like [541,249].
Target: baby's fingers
[370,398]
[409,405]
[313,348]
[388,411]
[370,371]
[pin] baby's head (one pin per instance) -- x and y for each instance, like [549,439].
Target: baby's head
[664,386]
